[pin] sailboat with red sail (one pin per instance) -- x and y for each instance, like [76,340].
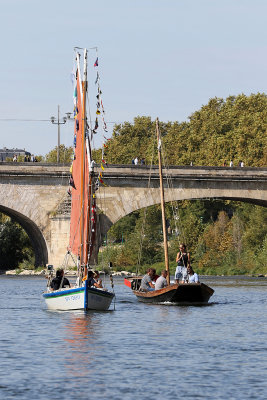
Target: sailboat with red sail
[84,225]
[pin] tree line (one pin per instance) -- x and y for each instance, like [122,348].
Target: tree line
[223,237]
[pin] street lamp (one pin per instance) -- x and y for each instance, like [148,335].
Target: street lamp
[58,122]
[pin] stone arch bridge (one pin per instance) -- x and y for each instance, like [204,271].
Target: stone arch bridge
[35,195]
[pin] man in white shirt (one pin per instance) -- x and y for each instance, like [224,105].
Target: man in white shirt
[161,282]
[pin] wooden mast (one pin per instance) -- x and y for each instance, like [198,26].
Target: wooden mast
[163,205]
[84,89]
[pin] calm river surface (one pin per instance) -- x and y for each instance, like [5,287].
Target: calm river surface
[138,351]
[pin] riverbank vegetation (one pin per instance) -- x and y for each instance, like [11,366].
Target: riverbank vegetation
[223,237]
[15,246]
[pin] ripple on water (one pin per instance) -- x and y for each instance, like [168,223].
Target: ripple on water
[139,351]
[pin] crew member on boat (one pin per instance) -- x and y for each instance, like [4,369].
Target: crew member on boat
[154,277]
[182,259]
[91,280]
[59,281]
[146,283]
[97,279]
[192,276]
[161,281]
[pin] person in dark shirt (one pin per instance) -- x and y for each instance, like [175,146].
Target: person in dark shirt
[92,281]
[59,280]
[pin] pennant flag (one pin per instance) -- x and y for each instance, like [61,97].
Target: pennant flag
[96,124]
[103,161]
[96,63]
[102,167]
[72,182]
[75,96]
[75,112]
[100,180]
[73,76]
[97,78]
[97,112]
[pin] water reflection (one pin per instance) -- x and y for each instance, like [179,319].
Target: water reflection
[81,333]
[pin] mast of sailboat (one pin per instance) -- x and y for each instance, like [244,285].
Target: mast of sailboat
[163,205]
[83,153]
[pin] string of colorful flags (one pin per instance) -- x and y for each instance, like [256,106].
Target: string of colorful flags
[100,111]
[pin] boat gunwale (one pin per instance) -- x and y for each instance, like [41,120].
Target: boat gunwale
[69,292]
[169,288]
[58,293]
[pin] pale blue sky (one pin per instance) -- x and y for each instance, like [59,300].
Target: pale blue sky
[162,58]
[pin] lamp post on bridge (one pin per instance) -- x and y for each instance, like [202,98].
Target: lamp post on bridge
[58,122]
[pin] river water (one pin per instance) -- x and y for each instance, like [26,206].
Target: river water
[138,351]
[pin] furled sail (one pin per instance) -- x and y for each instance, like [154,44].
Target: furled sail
[80,207]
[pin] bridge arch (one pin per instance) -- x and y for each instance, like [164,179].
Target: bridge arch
[127,187]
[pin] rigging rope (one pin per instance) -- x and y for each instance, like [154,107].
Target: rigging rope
[174,203]
[145,210]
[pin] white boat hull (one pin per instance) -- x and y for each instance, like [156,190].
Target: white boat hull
[78,299]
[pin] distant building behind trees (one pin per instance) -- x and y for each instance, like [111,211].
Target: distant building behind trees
[8,154]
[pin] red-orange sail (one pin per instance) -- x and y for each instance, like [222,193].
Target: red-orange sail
[80,178]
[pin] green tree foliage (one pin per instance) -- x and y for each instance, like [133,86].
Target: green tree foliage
[222,236]
[15,246]
[235,128]
[134,140]
[65,155]
[120,231]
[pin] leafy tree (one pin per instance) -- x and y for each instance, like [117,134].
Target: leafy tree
[120,231]
[65,154]
[15,246]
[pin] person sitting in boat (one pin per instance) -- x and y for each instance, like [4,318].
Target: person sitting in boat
[97,279]
[146,282]
[154,277]
[59,281]
[182,259]
[161,281]
[91,280]
[192,276]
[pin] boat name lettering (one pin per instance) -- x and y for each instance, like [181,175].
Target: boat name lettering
[73,297]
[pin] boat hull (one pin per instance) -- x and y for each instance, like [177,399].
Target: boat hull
[192,293]
[81,298]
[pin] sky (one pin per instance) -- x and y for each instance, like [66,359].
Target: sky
[158,58]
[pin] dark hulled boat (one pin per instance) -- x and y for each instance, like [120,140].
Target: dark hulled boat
[177,293]
[180,293]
